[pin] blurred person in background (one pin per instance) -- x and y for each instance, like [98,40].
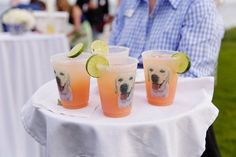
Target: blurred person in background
[219,2]
[81,31]
[191,26]
[32,5]
[97,13]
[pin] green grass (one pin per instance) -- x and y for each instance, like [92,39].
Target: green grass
[225,96]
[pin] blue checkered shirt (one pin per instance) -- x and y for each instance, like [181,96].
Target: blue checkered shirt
[191,26]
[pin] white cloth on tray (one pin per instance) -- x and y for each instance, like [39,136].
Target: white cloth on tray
[178,130]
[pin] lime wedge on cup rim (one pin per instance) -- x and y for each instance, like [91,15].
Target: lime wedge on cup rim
[76,50]
[99,47]
[92,65]
[184,63]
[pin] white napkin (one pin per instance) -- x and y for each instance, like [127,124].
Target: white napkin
[48,99]
[139,76]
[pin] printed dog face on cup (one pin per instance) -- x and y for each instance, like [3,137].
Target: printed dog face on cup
[124,88]
[159,78]
[63,83]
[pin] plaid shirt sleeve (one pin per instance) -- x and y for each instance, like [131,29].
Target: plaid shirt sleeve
[116,25]
[201,36]
[114,32]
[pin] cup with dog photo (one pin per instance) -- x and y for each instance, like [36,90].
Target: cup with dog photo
[160,70]
[72,79]
[116,86]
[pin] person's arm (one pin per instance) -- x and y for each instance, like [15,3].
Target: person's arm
[201,36]
[92,5]
[76,15]
[15,2]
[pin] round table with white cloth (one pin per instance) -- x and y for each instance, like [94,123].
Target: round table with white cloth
[178,130]
[24,67]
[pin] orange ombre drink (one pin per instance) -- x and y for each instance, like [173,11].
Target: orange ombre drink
[161,76]
[72,80]
[116,86]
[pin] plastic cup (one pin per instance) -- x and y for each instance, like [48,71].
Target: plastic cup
[118,51]
[160,76]
[116,86]
[72,80]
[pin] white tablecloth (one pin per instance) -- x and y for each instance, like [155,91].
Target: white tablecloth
[178,130]
[24,67]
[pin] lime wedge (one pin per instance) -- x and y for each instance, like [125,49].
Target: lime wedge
[93,63]
[99,47]
[76,50]
[184,63]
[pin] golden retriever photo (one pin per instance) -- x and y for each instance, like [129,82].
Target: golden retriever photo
[159,77]
[124,89]
[63,83]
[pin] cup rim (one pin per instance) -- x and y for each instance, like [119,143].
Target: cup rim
[123,51]
[112,66]
[160,51]
[118,46]
[79,58]
[132,59]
